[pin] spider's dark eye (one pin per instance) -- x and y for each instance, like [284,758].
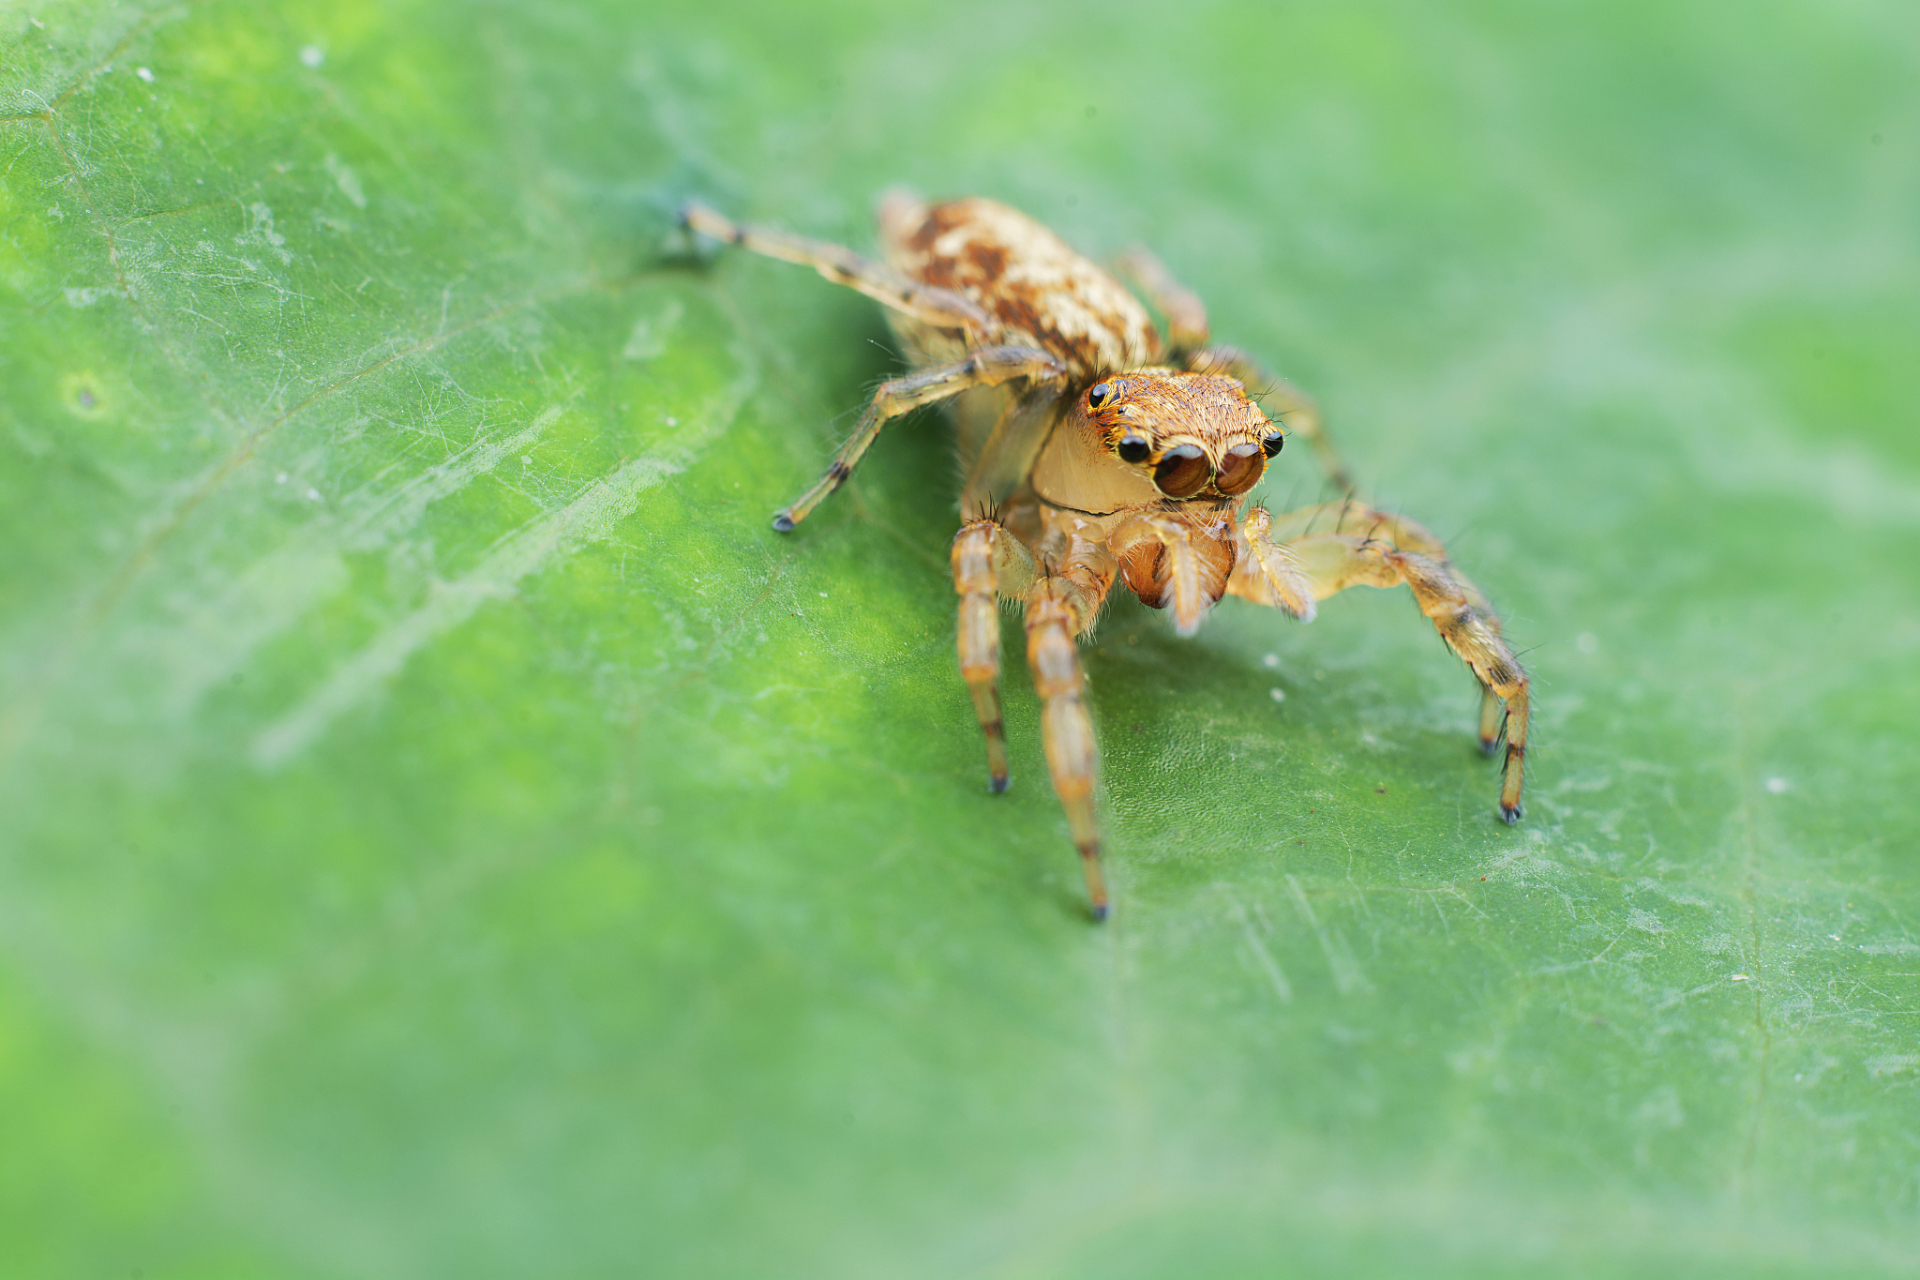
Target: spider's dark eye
[1101,393]
[1241,469]
[1183,471]
[1271,445]
[1134,449]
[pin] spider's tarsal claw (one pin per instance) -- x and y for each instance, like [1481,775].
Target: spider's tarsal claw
[1489,745]
[1097,901]
[1512,813]
[999,783]
[783,523]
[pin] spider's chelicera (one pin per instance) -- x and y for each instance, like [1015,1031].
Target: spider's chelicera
[1098,451]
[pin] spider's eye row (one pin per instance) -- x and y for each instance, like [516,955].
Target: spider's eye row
[1101,393]
[1271,445]
[1134,449]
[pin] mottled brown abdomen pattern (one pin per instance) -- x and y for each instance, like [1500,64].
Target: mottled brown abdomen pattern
[1042,292]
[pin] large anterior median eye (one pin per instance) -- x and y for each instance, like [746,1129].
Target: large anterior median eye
[1242,469]
[1183,471]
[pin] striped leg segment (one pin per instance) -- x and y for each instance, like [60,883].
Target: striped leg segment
[1345,544]
[987,562]
[987,367]
[941,308]
[1059,608]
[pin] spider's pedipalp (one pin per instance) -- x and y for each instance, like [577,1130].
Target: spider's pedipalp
[1168,562]
[1267,573]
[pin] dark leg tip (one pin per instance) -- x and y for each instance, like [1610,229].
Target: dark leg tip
[1100,912]
[783,523]
[998,783]
[1512,812]
[1488,746]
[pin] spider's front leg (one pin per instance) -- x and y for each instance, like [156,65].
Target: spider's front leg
[988,562]
[987,367]
[1060,606]
[1344,544]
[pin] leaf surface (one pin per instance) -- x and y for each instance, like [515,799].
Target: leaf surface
[448,833]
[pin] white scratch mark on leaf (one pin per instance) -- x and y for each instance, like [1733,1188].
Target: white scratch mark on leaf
[347,180]
[272,594]
[649,337]
[260,231]
[1347,978]
[591,516]
[1275,975]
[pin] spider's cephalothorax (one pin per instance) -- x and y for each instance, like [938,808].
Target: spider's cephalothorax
[1095,450]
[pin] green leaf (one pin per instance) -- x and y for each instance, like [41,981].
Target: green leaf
[444,831]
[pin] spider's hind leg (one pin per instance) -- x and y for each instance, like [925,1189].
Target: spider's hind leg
[1185,314]
[941,308]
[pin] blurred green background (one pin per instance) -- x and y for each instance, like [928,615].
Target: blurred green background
[444,832]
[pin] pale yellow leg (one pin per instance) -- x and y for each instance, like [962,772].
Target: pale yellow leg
[1059,607]
[941,308]
[1341,545]
[987,367]
[1493,718]
[987,562]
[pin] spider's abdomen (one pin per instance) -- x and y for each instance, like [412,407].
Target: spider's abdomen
[1041,291]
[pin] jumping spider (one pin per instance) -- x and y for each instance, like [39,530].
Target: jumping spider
[1096,450]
